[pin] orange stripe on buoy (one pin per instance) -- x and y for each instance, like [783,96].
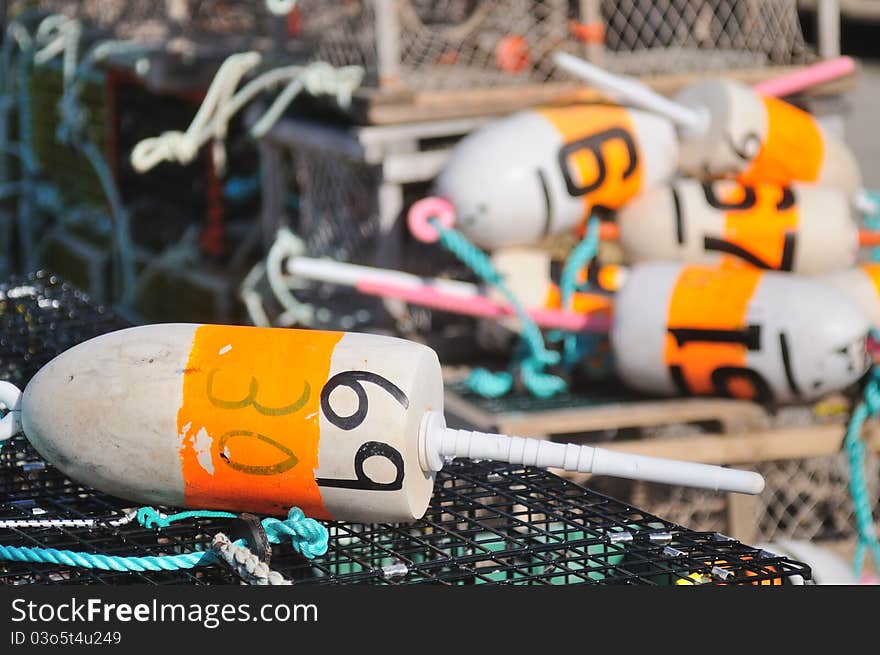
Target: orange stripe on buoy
[869,238]
[766,230]
[600,156]
[248,425]
[793,150]
[708,300]
[873,273]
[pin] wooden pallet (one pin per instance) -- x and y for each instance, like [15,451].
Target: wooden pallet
[746,435]
[376,106]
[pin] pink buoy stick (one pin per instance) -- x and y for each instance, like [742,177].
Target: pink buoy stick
[484,307]
[791,83]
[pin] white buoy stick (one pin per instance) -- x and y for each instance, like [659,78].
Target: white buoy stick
[632,92]
[438,443]
[351,275]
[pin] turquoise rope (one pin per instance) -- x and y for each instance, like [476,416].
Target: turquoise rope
[107,562]
[577,260]
[861,499]
[537,357]
[25,213]
[242,188]
[71,130]
[307,537]
[872,222]
[150,518]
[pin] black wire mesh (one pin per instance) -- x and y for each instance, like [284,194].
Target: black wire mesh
[488,523]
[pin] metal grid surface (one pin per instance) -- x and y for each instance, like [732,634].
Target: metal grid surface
[802,499]
[487,524]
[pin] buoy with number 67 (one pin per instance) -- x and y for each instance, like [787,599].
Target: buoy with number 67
[799,228]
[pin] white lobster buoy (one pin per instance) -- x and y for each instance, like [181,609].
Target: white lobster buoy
[346,426]
[862,285]
[745,333]
[541,172]
[799,228]
[758,138]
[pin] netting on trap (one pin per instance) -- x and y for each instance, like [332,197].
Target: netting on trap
[802,499]
[487,523]
[680,36]
[161,19]
[478,43]
[338,213]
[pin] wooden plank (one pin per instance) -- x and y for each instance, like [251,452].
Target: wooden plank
[858,9]
[828,28]
[742,513]
[414,167]
[733,414]
[763,446]
[463,103]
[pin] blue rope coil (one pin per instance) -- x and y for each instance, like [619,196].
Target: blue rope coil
[582,254]
[536,357]
[855,449]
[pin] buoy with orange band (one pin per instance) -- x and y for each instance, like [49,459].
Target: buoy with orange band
[799,228]
[862,285]
[541,172]
[746,333]
[674,329]
[757,138]
[727,129]
[343,425]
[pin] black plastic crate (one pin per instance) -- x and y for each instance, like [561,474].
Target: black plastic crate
[488,523]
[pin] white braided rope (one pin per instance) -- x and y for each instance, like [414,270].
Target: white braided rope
[246,565]
[68,523]
[222,103]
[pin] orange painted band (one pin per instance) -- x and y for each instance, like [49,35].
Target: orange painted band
[708,299]
[248,424]
[599,155]
[793,150]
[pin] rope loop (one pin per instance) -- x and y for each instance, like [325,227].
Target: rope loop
[307,536]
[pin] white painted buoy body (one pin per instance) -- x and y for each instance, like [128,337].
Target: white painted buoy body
[862,285]
[242,419]
[761,139]
[746,333]
[541,172]
[804,229]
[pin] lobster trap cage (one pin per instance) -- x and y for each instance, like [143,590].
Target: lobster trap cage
[334,201]
[164,19]
[455,44]
[806,499]
[487,524]
[799,451]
